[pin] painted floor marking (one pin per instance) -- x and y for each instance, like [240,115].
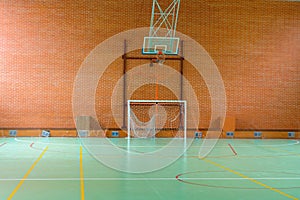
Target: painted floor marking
[232,149]
[250,179]
[296,142]
[81,175]
[27,174]
[151,179]
[2,144]
[285,151]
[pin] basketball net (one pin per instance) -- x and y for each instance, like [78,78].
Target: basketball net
[160,58]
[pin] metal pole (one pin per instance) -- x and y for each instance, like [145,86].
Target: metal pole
[124,83]
[181,70]
[128,120]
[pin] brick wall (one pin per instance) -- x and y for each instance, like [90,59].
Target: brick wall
[255,44]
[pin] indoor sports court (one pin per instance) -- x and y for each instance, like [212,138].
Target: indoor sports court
[151,99]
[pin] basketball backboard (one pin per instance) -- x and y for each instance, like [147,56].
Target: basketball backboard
[168,45]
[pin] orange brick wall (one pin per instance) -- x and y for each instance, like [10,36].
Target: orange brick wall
[255,44]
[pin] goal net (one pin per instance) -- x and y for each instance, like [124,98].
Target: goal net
[156,118]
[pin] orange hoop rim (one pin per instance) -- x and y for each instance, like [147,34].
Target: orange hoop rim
[160,57]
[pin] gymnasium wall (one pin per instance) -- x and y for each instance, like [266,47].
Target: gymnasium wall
[255,44]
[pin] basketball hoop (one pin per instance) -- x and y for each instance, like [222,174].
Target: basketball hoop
[160,58]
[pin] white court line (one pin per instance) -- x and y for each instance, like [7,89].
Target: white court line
[296,142]
[147,179]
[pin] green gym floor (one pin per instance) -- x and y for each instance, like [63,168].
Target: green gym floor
[60,168]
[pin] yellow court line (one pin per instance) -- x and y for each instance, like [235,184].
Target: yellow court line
[250,179]
[81,175]
[26,175]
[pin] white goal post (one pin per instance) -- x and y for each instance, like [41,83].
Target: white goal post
[155,117]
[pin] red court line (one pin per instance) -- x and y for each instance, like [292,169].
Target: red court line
[202,182]
[3,144]
[232,149]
